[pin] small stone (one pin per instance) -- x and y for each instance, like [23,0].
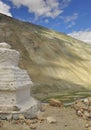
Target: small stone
[21,121]
[42,109]
[51,120]
[79,113]
[21,117]
[15,121]
[65,125]
[34,121]
[30,115]
[40,116]
[87,125]
[28,122]
[15,117]
[3,117]
[82,110]
[55,103]
[86,101]
[9,117]
[86,113]
[33,126]
[78,105]
[15,108]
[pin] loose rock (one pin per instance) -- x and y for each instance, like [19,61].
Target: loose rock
[30,116]
[3,117]
[28,122]
[33,126]
[55,103]
[51,120]
[9,117]
[83,108]
[15,116]
[79,113]
[21,117]
[87,125]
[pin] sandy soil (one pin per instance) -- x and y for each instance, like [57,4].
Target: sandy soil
[66,119]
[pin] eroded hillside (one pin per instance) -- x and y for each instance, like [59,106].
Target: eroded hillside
[56,62]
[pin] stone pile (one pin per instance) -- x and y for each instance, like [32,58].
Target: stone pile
[83,108]
[24,119]
[28,114]
[32,123]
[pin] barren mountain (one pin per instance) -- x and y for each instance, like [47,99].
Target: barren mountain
[59,65]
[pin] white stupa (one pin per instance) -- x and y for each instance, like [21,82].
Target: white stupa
[15,83]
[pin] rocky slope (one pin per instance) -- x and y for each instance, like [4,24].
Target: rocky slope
[57,63]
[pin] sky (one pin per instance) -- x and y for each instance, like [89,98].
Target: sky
[72,17]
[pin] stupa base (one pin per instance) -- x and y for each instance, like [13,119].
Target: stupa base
[29,105]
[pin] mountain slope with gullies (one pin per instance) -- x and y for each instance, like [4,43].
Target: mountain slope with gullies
[58,64]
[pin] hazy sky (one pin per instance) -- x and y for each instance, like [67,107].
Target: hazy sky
[68,16]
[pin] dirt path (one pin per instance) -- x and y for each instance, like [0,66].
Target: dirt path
[66,119]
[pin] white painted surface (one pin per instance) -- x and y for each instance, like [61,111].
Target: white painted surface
[15,83]
[7,98]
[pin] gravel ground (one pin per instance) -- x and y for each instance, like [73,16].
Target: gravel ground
[66,119]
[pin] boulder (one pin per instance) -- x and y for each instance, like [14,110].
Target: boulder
[55,103]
